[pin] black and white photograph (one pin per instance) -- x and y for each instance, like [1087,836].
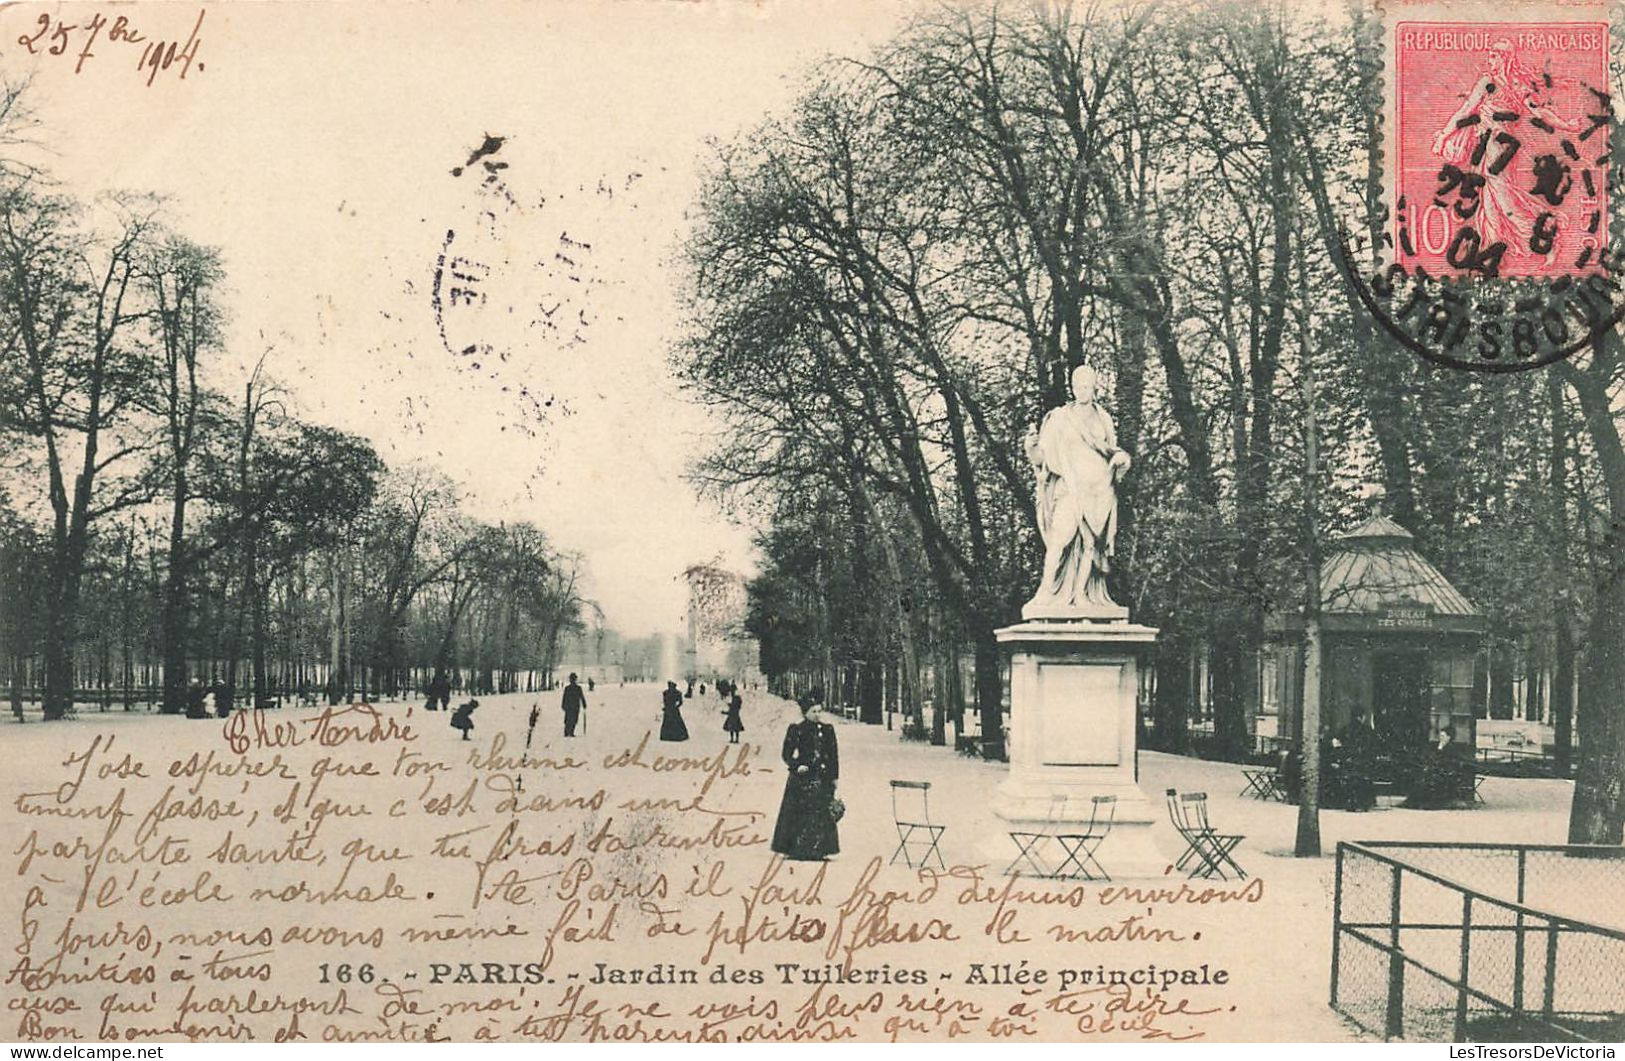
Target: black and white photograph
[887,521]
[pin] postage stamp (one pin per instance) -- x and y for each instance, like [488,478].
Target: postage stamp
[1501,130]
[1494,250]
[738,521]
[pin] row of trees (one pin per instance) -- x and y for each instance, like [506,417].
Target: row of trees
[156,529]
[890,282]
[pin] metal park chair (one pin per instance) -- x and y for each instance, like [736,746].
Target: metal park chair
[1030,842]
[1080,847]
[1077,847]
[1208,852]
[911,812]
[1263,782]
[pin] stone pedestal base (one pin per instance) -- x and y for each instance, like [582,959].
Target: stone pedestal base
[1098,613]
[1073,688]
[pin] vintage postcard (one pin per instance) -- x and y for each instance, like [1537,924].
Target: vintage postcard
[811,520]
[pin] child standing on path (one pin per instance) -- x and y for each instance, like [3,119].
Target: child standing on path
[733,725]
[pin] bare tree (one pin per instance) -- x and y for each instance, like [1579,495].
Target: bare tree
[77,380]
[180,278]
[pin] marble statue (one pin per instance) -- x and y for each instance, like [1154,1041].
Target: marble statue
[1078,464]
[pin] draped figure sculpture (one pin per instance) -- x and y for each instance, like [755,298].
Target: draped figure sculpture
[1077,464]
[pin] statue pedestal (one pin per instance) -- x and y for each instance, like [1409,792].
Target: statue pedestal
[1073,688]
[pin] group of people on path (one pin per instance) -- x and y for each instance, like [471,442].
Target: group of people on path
[672,726]
[809,810]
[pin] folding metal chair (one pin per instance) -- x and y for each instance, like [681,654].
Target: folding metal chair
[1080,847]
[1260,782]
[1207,852]
[1030,842]
[913,820]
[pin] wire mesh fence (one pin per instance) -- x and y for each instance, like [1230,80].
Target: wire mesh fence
[1480,942]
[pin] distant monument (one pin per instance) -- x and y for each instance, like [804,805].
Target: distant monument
[715,643]
[1075,658]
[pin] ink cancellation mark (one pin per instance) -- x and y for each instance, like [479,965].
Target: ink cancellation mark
[1499,174]
[485,303]
[1501,130]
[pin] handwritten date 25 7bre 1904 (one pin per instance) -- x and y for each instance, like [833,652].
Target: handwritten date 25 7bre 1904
[87,38]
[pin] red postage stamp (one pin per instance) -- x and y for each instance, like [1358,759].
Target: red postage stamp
[1500,143]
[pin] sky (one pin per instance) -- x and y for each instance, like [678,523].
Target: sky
[510,325]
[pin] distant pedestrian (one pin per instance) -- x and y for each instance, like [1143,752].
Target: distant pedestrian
[589,683]
[17,701]
[440,689]
[689,692]
[733,725]
[574,702]
[196,700]
[672,727]
[463,717]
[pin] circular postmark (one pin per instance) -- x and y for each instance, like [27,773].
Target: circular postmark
[1497,163]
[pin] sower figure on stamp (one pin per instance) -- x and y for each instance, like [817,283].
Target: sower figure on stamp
[1508,92]
[805,830]
[574,702]
[1078,463]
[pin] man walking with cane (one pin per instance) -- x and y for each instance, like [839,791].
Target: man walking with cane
[575,702]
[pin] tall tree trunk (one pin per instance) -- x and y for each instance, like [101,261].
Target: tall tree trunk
[1128,397]
[1171,706]
[256,595]
[1562,702]
[174,621]
[950,699]
[62,610]
[335,635]
[990,691]
[1562,695]
[909,692]
[1597,815]
[984,616]
[1229,660]
[61,637]
[1501,671]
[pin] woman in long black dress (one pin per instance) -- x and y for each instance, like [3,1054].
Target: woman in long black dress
[806,829]
[733,725]
[671,714]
